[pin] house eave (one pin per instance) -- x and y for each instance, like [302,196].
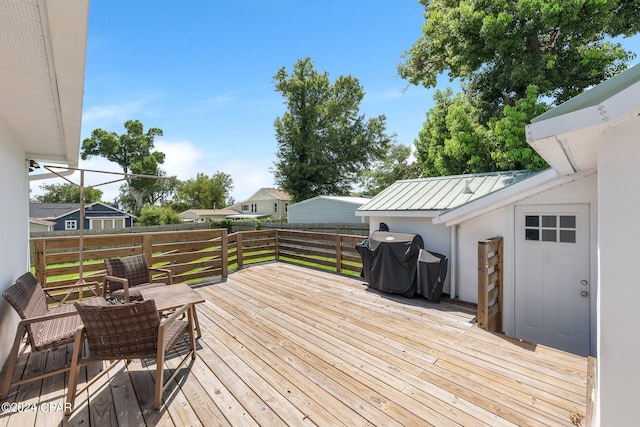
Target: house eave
[509,195]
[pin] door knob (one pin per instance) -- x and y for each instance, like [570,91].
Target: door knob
[584,294]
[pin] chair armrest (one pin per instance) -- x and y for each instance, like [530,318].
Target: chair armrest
[125,285]
[174,316]
[166,271]
[79,286]
[36,319]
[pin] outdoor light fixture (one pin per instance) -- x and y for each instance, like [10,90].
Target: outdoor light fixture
[33,165]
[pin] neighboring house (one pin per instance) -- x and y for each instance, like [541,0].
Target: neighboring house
[264,203]
[206,215]
[326,210]
[43,47]
[570,233]
[40,225]
[97,216]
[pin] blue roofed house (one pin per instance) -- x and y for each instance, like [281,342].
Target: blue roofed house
[43,45]
[570,235]
[97,216]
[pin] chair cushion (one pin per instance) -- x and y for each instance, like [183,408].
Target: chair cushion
[134,293]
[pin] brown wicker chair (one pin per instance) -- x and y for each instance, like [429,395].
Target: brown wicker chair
[127,276]
[45,327]
[125,332]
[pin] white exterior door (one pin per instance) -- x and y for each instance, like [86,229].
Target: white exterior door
[552,284]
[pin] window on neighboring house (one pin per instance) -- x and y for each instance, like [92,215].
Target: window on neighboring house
[275,207]
[245,208]
[254,207]
[71,224]
[286,207]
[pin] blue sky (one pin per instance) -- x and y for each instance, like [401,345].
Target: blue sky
[202,72]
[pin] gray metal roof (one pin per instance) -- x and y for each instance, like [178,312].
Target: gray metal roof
[595,95]
[442,193]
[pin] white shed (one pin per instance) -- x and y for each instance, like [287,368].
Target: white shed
[326,209]
[570,234]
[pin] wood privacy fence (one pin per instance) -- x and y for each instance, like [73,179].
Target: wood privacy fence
[194,254]
[490,284]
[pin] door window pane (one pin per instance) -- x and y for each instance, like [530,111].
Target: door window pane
[532,221]
[548,235]
[568,236]
[567,221]
[532,234]
[548,221]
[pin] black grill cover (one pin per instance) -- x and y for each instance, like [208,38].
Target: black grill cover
[432,270]
[389,261]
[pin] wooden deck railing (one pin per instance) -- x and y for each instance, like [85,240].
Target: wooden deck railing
[193,254]
[490,284]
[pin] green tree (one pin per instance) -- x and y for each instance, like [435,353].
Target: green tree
[509,133]
[500,47]
[67,193]
[392,167]
[157,215]
[509,55]
[452,140]
[323,141]
[133,152]
[205,192]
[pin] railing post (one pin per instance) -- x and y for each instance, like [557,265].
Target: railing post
[239,248]
[147,249]
[39,261]
[224,252]
[277,240]
[338,253]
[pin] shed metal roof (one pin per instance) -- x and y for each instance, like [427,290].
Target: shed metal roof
[442,193]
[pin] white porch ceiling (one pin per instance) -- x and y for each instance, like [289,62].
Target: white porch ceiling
[42,51]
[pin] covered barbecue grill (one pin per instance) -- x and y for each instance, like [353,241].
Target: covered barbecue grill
[432,270]
[390,261]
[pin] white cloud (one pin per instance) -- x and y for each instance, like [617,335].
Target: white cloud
[248,177]
[182,159]
[113,112]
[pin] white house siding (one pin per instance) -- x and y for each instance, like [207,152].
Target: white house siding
[14,252]
[500,222]
[619,293]
[323,211]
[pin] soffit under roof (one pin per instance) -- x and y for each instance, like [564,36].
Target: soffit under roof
[43,49]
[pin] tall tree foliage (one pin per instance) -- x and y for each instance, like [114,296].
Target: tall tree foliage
[509,55]
[323,141]
[66,193]
[452,140]
[391,168]
[500,47]
[133,152]
[205,192]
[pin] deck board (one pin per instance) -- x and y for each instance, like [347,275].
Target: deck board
[288,345]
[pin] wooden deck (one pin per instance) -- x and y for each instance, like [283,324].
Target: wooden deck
[287,345]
